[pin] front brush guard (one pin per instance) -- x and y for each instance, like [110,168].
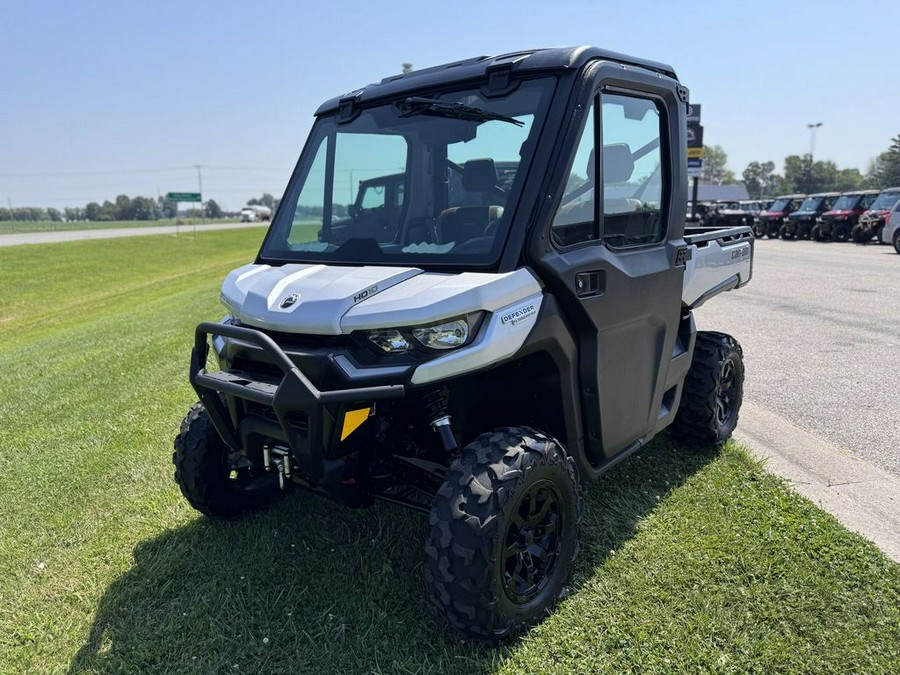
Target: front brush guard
[295,393]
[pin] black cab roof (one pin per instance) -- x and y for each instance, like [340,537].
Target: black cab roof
[479,67]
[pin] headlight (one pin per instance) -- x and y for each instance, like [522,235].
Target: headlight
[391,341]
[443,335]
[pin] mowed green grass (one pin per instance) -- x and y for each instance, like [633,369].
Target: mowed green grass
[20,226]
[692,562]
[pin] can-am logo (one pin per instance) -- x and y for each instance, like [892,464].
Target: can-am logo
[289,301]
[362,295]
[517,315]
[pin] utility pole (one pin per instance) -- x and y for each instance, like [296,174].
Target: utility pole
[812,147]
[200,184]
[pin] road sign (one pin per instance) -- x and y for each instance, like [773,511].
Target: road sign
[183,196]
[693,113]
[695,167]
[695,153]
[694,136]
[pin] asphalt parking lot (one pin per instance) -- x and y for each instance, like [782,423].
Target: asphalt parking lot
[820,328]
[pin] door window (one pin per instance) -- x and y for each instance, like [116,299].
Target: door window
[575,219]
[633,171]
[631,178]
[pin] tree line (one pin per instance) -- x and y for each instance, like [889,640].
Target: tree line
[802,174]
[123,208]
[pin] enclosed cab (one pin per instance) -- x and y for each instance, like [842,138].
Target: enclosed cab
[769,222]
[836,224]
[513,316]
[872,221]
[799,224]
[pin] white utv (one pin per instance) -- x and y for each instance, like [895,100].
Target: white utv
[509,315]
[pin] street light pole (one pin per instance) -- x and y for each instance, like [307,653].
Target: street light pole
[812,148]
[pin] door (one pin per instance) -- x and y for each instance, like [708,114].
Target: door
[614,234]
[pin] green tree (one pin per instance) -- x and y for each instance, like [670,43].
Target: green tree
[715,166]
[143,208]
[93,211]
[54,214]
[886,169]
[211,209]
[124,210]
[759,179]
[108,211]
[73,214]
[265,200]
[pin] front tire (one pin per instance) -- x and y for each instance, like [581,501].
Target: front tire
[840,233]
[897,241]
[504,533]
[216,480]
[860,234]
[713,392]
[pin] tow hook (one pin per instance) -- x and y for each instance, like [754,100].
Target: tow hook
[281,462]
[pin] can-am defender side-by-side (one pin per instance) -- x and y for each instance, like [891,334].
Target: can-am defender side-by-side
[769,222]
[871,223]
[836,224]
[799,224]
[516,320]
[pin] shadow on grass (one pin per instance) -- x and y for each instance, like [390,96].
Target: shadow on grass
[311,586]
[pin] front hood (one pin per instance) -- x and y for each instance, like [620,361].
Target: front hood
[331,300]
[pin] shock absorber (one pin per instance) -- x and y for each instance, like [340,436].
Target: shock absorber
[435,403]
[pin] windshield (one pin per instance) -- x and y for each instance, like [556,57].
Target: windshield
[810,204]
[846,202]
[779,204]
[416,181]
[885,201]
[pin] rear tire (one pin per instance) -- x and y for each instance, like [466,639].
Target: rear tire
[712,393]
[214,479]
[897,241]
[818,234]
[504,533]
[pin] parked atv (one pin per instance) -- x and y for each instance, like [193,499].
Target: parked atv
[769,222]
[495,344]
[799,224]
[836,224]
[872,221]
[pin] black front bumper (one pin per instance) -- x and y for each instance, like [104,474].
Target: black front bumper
[295,410]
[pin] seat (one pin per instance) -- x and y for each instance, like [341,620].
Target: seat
[462,223]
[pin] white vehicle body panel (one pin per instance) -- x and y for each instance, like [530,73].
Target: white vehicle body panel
[715,265]
[331,300]
[429,298]
[501,338]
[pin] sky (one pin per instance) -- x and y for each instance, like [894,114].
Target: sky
[99,99]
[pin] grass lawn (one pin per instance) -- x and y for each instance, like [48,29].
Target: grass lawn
[20,226]
[692,562]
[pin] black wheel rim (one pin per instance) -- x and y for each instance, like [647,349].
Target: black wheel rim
[532,542]
[726,395]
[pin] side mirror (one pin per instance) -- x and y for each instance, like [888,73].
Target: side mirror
[353,210]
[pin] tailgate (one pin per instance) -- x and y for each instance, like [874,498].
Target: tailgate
[721,259]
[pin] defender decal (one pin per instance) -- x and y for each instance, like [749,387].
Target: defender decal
[517,315]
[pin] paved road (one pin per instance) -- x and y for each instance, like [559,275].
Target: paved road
[79,235]
[820,328]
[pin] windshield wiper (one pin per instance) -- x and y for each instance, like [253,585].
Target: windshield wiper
[417,105]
